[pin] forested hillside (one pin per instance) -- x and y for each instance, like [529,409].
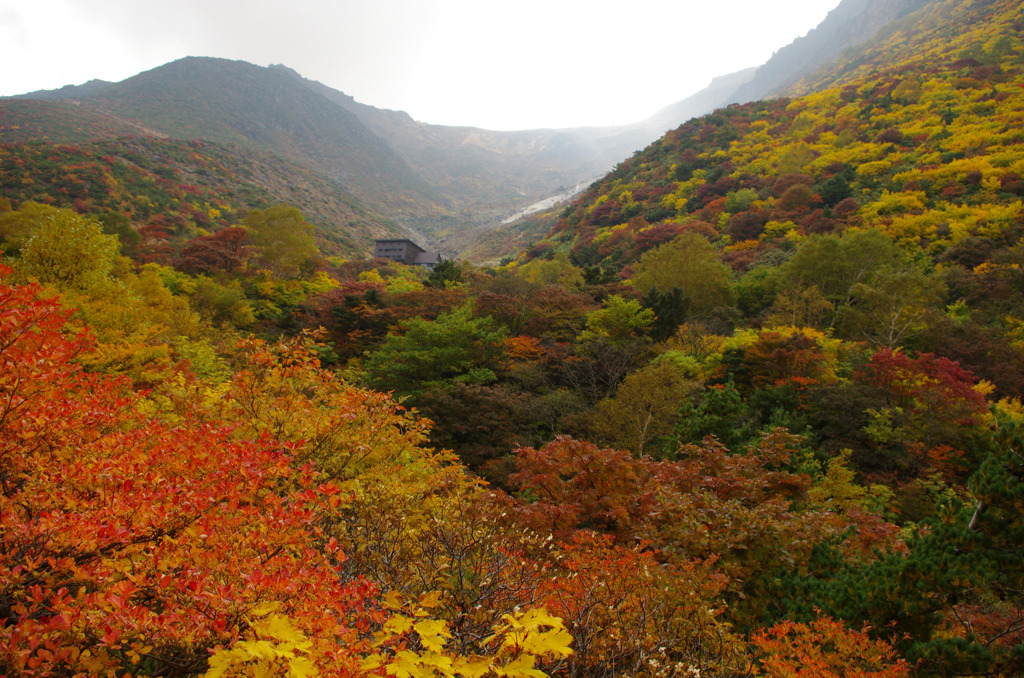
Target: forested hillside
[165,192]
[751,408]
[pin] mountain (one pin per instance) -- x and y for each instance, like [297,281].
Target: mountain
[435,180]
[850,25]
[719,93]
[449,185]
[70,91]
[233,102]
[476,167]
[915,134]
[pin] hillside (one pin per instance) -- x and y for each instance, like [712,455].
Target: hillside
[916,137]
[24,120]
[851,24]
[182,187]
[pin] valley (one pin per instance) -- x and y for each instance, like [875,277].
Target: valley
[735,391]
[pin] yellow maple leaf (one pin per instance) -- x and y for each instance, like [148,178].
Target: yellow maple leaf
[472,668]
[393,600]
[432,632]
[520,667]
[430,600]
[397,625]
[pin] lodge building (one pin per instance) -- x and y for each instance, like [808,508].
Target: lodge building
[406,252]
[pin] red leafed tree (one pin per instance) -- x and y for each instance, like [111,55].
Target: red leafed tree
[928,383]
[132,545]
[745,511]
[226,250]
[934,410]
[630,614]
[576,485]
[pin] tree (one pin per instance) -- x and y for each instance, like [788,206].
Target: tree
[134,544]
[283,238]
[801,307]
[719,411]
[891,307]
[222,304]
[835,263]
[631,614]
[406,516]
[597,365]
[480,423]
[283,391]
[824,648]
[17,225]
[644,408]
[555,271]
[223,251]
[951,600]
[670,309]
[933,412]
[690,263]
[68,250]
[446,272]
[118,224]
[577,485]
[431,353]
[746,510]
[618,320]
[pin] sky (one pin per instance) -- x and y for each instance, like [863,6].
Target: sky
[494,64]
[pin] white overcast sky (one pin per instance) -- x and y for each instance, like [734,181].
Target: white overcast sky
[497,64]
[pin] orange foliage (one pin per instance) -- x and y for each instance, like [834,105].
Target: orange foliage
[825,648]
[133,544]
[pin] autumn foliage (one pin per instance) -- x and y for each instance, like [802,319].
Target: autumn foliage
[134,544]
[751,408]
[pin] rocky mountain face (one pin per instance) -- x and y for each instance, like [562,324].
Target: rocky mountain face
[850,24]
[475,167]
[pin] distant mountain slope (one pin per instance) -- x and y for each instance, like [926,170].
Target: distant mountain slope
[23,120]
[717,94]
[851,23]
[476,168]
[69,91]
[239,103]
[919,136]
[947,39]
[433,178]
